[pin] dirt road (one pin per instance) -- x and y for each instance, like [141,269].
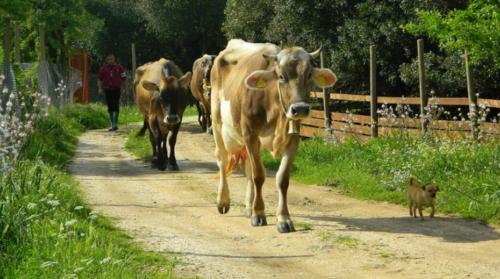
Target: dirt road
[341,237]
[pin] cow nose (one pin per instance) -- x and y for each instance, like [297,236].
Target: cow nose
[299,110]
[172,119]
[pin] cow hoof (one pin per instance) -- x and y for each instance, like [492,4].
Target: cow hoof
[223,208]
[247,213]
[173,167]
[162,167]
[259,220]
[285,227]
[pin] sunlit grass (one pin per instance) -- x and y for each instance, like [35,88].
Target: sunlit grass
[467,174]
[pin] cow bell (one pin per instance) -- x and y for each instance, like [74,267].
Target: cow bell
[294,127]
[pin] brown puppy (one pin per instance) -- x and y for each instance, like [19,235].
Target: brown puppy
[420,196]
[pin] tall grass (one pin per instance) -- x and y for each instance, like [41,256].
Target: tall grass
[467,174]
[46,230]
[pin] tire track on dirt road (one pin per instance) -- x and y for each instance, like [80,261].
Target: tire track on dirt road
[175,213]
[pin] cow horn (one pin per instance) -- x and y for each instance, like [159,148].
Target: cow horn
[316,53]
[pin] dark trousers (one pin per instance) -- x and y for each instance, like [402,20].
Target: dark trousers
[113,99]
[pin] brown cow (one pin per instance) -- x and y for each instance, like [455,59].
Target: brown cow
[162,94]
[201,89]
[259,92]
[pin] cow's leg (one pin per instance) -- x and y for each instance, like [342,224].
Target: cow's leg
[201,114]
[284,223]
[209,122]
[164,151]
[223,199]
[172,139]
[143,129]
[259,175]
[250,189]
[159,139]
[154,161]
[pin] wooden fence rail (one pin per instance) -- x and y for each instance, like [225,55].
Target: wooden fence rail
[441,101]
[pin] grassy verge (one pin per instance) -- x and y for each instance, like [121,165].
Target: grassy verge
[45,228]
[468,175]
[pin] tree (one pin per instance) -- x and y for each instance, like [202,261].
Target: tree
[248,20]
[186,29]
[475,29]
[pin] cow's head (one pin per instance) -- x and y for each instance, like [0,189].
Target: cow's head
[295,75]
[173,92]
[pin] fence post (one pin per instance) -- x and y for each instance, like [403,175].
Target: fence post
[373,92]
[473,109]
[41,31]
[326,107]
[421,86]
[6,41]
[134,67]
[17,39]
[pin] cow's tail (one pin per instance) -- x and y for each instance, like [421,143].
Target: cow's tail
[142,131]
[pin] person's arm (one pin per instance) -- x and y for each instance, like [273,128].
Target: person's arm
[99,87]
[125,83]
[123,76]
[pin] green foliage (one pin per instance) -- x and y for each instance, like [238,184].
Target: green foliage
[475,29]
[46,230]
[247,19]
[346,29]
[139,146]
[378,170]
[185,29]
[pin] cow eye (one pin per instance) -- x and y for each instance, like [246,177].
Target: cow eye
[281,79]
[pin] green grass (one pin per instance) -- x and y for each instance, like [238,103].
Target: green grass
[468,175]
[46,230]
[139,146]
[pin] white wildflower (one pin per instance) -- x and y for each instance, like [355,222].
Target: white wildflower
[53,203]
[70,223]
[105,260]
[48,264]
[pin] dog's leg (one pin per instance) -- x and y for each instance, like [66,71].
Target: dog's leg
[420,212]
[410,205]
[414,210]
[432,211]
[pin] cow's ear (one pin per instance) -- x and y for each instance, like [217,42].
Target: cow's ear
[151,86]
[259,80]
[324,78]
[185,80]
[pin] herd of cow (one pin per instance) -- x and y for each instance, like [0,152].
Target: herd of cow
[250,96]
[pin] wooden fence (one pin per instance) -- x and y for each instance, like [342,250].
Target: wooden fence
[342,125]
[345,125]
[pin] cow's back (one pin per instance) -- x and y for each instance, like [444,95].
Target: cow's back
[235,63]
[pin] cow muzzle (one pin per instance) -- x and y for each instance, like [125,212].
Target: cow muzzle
[298,110]
[172,119]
